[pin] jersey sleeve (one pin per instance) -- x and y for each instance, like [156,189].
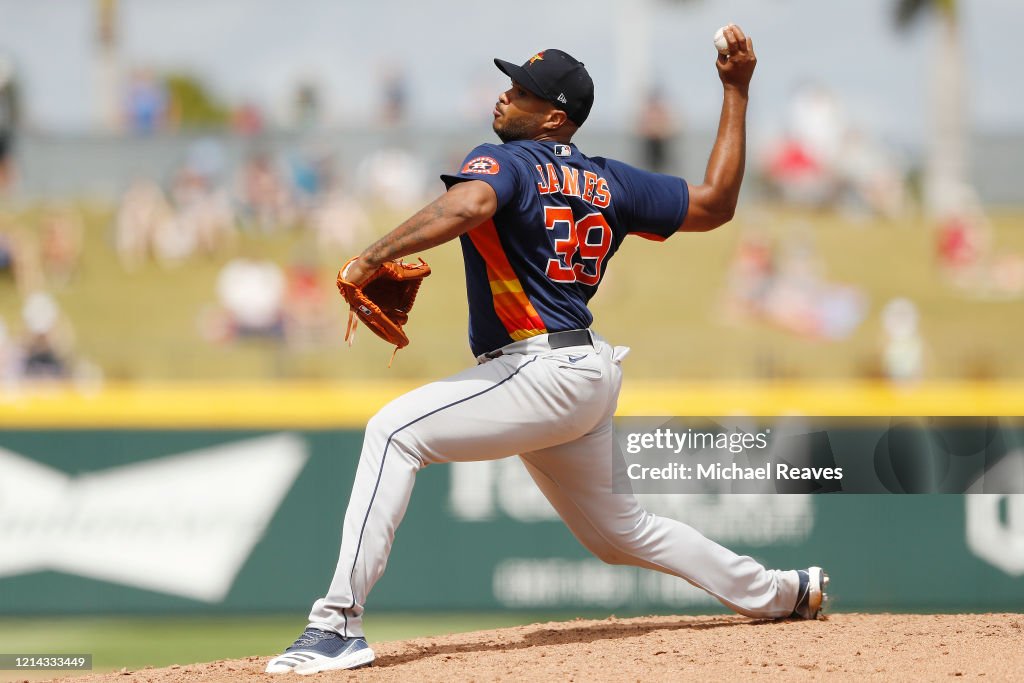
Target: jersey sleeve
[657,203]
[494,166]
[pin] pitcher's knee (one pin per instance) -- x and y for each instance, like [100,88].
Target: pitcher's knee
[382,424]
[390,422]
[616,557]
[607,553]
[392,433]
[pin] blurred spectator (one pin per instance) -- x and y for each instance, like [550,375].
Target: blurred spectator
[312,172]
[19,256]
[960,243]
[872,182]
[966,253]
[62,233]
[791,302]
[802,301]
[188,186]
[49,339]
[817,123]
[786,288]
[311,304]
[963,237]
[751,274]
[263,194]
[656,129]
[822,162]
[146,105]
[394,90]
[308,110]
[142,211]
[800,167]
[903,347]
[204,209]
[251,295]
[11,359]
[174,240]
[795,176]
[247,120]
[306,179]
[211,218]
[9,120]
[148,224]
[8,250]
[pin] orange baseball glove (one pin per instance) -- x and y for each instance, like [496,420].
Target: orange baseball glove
[383,302]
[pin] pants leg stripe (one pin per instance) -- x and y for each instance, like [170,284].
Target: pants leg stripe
[380,473]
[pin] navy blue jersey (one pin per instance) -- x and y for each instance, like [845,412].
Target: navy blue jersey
[561,217]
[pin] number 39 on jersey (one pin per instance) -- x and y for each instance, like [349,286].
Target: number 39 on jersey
[580,254]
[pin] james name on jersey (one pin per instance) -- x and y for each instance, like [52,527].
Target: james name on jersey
[594,189]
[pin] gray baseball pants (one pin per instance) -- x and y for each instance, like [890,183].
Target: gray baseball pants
[554,409]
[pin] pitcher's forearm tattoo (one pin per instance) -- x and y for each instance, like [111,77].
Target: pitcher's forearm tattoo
[412,235]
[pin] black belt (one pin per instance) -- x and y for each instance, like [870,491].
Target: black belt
[559,340]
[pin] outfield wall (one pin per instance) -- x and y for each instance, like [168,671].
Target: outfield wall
[151,516]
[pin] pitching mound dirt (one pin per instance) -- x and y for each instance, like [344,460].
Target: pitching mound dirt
[847,646]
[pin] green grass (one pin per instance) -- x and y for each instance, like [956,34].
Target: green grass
[137,642]
[664,300]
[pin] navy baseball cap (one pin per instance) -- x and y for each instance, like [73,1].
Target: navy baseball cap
[557,77]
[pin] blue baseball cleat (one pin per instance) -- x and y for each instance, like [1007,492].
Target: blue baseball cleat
[317,651]
[811,596]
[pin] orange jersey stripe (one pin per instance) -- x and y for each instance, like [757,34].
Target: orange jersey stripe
[485,239]
[510,310]
[511,304]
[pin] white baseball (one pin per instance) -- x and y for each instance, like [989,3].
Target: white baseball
[721,44]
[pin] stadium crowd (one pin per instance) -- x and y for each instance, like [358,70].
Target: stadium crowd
[215,205]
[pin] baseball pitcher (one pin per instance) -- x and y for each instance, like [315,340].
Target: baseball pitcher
[539,222]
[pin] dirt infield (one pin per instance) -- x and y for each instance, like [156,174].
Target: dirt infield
[845,646]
